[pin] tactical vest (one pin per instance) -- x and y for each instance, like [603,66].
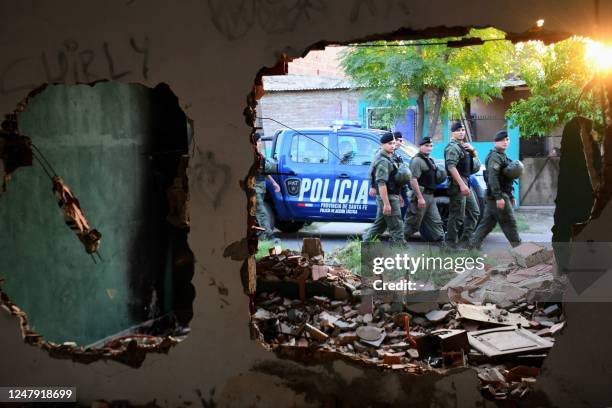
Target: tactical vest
[392,187]
[396,158]
[505,184]
[428,178]
[465,164]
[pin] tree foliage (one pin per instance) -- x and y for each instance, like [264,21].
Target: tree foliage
[556,76]
[390,74]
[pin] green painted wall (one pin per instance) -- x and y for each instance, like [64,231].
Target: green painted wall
[96,138]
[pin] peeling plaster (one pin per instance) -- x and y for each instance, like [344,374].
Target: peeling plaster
[213,76]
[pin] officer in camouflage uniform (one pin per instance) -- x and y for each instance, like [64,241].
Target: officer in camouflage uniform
[399,142]
[388,211]
[422,208]
[398,159]
[500,199]
[260,190]
[461,161]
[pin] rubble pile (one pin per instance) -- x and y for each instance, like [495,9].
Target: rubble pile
[130,350]
[303,303]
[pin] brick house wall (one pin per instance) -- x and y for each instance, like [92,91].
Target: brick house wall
[316,108]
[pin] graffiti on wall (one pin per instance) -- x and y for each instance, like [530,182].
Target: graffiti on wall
[211,178]
[235,18]
[72,61]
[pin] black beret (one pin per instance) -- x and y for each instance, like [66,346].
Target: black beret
[398,135]
[425,140]
[386,138]
[501,135]
[456,126]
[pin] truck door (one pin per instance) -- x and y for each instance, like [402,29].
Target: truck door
[356,153]
[307,173]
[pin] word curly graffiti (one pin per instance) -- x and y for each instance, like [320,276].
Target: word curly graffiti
[235,18]
[73,62]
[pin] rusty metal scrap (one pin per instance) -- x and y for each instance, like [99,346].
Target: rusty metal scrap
[74,217]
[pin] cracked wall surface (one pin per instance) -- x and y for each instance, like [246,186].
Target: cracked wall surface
[109,142]
[209,52]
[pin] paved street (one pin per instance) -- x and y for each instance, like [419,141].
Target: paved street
[534,223]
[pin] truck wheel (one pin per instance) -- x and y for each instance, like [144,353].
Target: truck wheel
[443,204]
[289,226]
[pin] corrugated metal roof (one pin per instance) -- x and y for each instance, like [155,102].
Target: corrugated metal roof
[293,82]
[507,83]
[283,83]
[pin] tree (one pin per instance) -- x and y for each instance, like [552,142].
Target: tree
[557,76]
[391,73]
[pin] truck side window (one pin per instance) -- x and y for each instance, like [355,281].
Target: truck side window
[310,149]
[356,150]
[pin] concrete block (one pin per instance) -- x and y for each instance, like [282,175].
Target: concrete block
[529,254]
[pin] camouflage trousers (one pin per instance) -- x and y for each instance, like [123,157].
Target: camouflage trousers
[464,211]
[392,222]
[426,219]
[262,218]
[493,215]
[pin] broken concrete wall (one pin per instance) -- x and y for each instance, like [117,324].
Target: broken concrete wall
[209,52]
[101,140]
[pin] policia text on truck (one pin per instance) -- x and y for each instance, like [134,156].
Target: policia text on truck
[323,174]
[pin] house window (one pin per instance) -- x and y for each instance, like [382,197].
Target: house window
[378,118]
[310,148]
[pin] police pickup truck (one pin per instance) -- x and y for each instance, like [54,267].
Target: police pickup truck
[323,174]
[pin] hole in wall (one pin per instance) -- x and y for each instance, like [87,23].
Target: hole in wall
[121,151]
[312,307]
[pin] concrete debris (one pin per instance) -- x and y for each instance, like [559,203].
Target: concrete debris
[319,271]
[315,333]
[421,308]
[130,349]
[337,315]
[529,254]
[491,314]
[552,310]
[311,247]
[502,384]
[369,333]
[437,315]
[507,341]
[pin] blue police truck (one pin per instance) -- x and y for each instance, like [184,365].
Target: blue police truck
[323,174]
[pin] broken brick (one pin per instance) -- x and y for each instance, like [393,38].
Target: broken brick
[319,271]
[517,373]
[395,358]
[346,338]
